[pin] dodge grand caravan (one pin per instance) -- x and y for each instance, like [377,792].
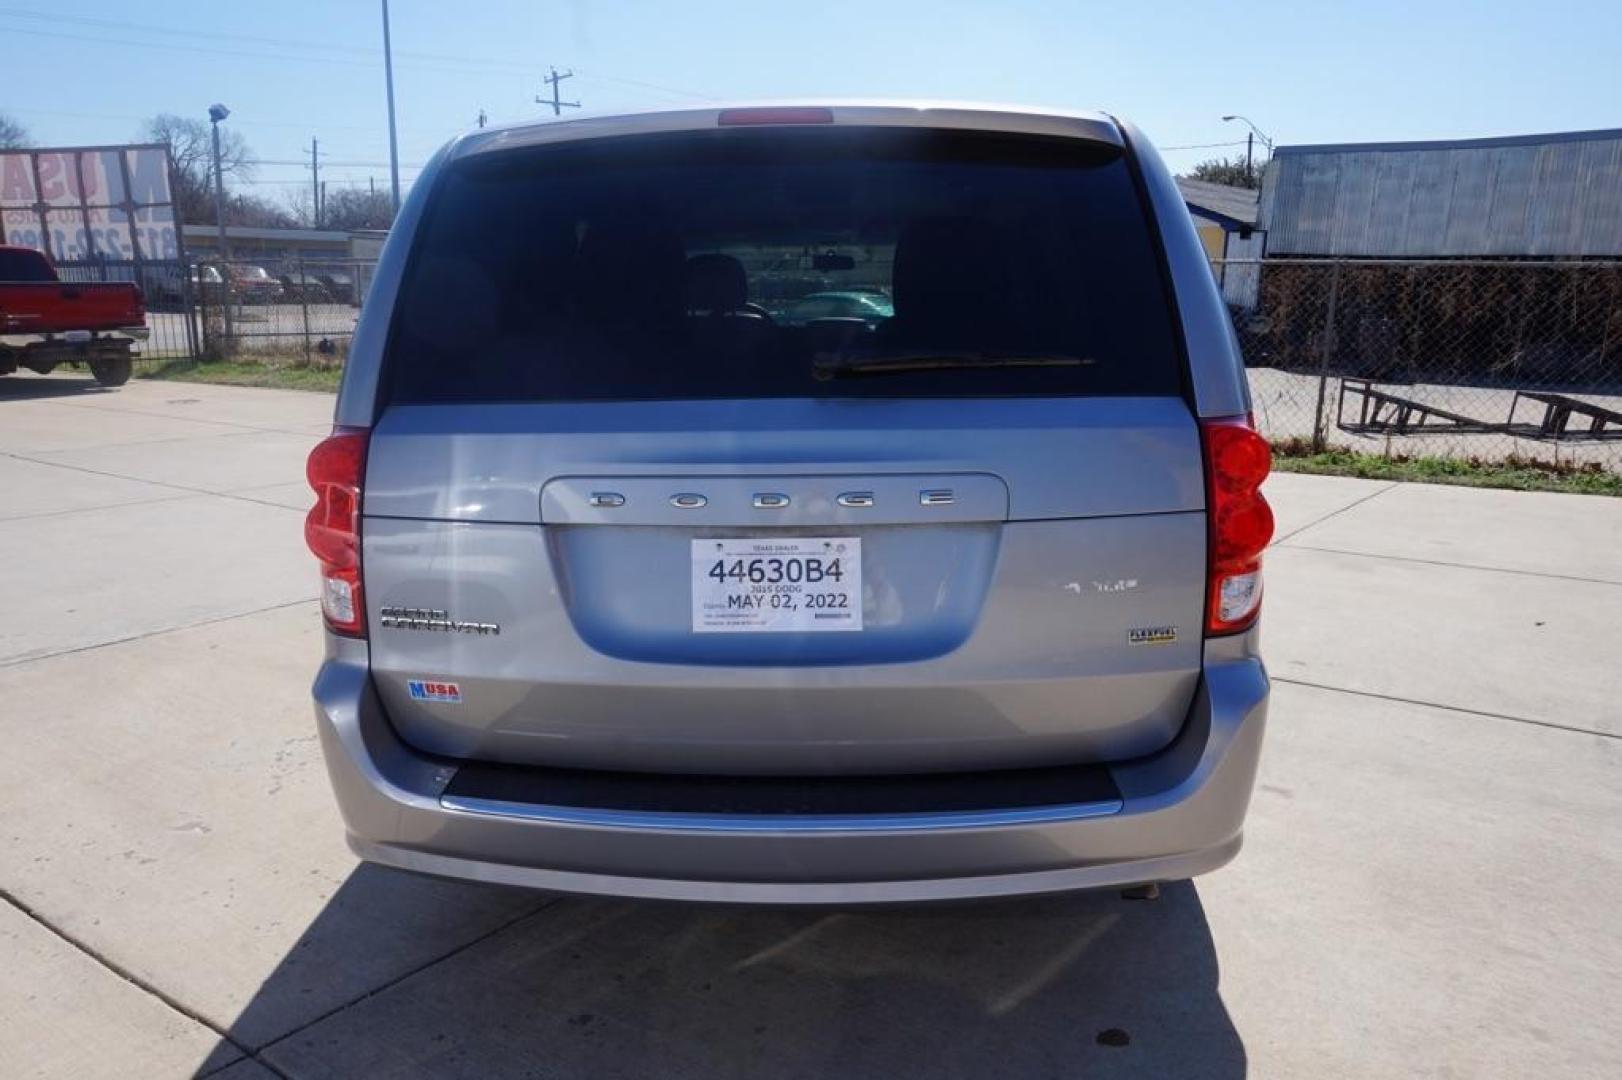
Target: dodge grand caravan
[632,587]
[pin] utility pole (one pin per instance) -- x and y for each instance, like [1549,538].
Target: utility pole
[1250,139]
[315,181]
[557,106]
[323,203]
[388,76]
[371,184]
[483,119]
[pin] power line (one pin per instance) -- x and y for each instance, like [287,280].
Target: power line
[462,67]
[373,58]
[329,164]
[207,50]
[1204,146]
[302,124]
[252,39]
[293,182]
[204,35]
[644,84]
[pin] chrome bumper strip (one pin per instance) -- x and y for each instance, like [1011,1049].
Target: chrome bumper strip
[782,823]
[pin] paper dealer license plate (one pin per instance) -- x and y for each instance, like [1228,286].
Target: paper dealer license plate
[799,583]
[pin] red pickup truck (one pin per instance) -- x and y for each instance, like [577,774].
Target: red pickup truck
[45,322]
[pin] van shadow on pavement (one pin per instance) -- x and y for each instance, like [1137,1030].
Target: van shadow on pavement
[600,988]
[22,386]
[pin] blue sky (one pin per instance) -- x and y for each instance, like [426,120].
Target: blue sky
[89,72]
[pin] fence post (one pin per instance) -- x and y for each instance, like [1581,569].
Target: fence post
[188,309]
[304,306]
[212,348]
[1326,349]
[228,297]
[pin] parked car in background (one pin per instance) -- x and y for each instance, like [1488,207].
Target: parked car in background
[207,283]
[631,588]
[203,279]
[304,288]
[340,287]
[46,322]
[252,284]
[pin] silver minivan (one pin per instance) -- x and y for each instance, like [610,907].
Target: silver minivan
[634,584]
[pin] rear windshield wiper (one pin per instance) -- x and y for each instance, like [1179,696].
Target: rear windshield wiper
[843,367]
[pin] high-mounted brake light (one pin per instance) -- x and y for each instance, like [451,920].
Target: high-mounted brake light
[332,529]
[794,114]
[1237,460]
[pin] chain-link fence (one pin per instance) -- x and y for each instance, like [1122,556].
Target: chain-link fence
[172,327]
[1491,360]
[280,311]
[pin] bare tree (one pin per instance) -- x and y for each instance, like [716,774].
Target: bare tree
[12,133]
[357,208]
[191,148]
[299,205]
[258,213]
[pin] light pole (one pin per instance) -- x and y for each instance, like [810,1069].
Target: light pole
[1255,133]
[216,113]
[388,77]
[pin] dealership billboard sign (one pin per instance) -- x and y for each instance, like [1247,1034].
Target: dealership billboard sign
[90,204]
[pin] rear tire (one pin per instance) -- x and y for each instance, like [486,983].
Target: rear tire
[111,370]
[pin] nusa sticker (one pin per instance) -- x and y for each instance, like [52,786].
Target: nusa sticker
[444,692]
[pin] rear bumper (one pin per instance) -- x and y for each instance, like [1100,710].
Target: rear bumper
[1180,814]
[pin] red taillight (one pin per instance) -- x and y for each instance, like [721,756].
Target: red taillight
[1237,460]
[794,114]
[332,529]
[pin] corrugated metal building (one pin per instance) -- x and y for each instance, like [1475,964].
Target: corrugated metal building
[1526,196]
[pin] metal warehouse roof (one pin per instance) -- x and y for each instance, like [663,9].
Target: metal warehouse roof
[1526,195]
[1235,205]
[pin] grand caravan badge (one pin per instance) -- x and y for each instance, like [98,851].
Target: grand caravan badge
[432,619]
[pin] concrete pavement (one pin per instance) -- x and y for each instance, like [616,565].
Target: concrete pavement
[1428,886]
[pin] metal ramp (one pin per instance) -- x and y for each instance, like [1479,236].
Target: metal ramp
[1564,419]
[1380,412]
[1559,411]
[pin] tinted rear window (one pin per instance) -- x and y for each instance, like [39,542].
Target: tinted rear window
[24,266]
[742,264]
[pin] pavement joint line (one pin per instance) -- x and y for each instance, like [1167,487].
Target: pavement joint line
[1455,565]
[158,483]
[1465,709]
[544,905]
[19,661]
[239,497]
[1333,513]
[25,451]
[187,419]
[143,412]
[176,497]
[150,988]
